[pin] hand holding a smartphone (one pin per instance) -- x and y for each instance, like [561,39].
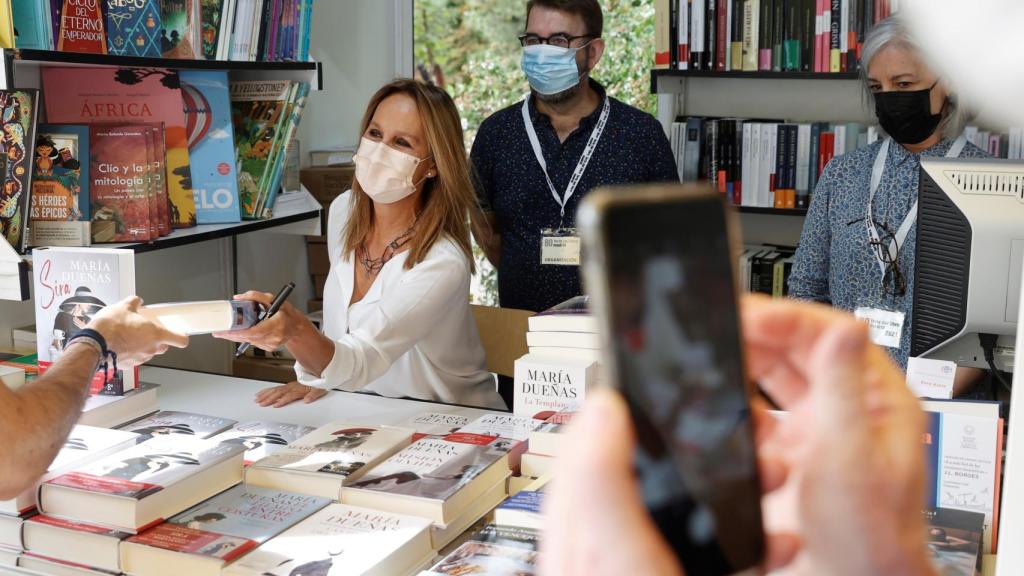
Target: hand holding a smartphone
[852,435]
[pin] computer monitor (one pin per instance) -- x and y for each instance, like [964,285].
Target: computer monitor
[970,246]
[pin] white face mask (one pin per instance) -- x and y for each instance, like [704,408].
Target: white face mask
[385,174]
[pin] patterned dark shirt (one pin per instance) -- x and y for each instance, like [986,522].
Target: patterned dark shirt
[511,184]
[835,262]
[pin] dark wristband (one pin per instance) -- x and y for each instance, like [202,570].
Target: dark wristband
[93,335]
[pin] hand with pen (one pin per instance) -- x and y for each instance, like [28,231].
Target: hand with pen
[283,325]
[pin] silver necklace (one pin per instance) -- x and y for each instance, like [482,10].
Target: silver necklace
[374,265]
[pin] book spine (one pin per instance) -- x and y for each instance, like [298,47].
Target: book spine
[803,162]
[778,33]
[791,50]
[844,33]
[764,60]
[721,34]
[661,34]
[813,171]
[778,201]
[696,33]
[749,42]
[791,164]
[737,162]
[710,38]
[745,164]
[835,16]
[683,30]
[807,37]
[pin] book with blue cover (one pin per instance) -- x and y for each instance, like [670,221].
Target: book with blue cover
[133,28]
[31,24]
[211,145]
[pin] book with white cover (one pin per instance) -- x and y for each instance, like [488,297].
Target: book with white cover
[443,536]
[262,438]
[56,567]
[74,542]
[172,422]
[137,487]
[437,423]
[511,427]
[204,317]
[10,531]
[585,340]
[328,458]
[8,558]
[114,411]
[342,540]
[560,352]
[204,539]
[573,315]
[547,439]
[546,385]
[537,465]
[84,444]
[434,477]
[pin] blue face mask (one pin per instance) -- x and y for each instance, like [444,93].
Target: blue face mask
[551,69]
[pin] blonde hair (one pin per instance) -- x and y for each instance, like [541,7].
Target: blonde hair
[447,198]
[893,32]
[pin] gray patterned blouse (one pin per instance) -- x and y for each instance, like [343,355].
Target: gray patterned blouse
[835,263]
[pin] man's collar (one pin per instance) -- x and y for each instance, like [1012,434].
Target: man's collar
[540,118]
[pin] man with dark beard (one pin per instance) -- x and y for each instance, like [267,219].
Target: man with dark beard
[535,159]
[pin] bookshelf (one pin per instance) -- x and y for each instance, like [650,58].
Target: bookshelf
[19,68]
[658,74]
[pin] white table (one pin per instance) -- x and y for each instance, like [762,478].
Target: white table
[233,398]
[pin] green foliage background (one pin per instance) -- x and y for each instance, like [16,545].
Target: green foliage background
[471,48]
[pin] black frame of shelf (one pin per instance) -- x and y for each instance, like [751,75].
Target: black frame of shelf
[221,231]
[759,75]
[771,211]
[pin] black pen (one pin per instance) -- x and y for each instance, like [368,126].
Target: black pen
[274,307]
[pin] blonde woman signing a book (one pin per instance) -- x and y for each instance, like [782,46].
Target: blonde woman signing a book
[396,303]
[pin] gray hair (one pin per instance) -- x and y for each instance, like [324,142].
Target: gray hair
[893,32]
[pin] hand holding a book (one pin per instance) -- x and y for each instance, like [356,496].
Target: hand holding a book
[851,438]
[133,337]
[273,332]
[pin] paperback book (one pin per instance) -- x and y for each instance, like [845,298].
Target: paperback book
[504,557]
[964,455]
[954,539]
[82,544]
[85,444]
[18,121]
[573,315]
[128,96]
[436,424]
[434,477]
[133,28]
[60,186]
[211,145]
[514,429]
[179,35]
[172,422]
[205,538]
[259,110]
[81,28]
[138,487]
[32,24]
[119,196]
[328,458]
[342,539]
[261,439]
[10,531]
[211,15]
[71,285]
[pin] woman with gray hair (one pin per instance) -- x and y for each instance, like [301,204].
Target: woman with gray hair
[858,244]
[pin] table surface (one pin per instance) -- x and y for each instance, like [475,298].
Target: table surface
[233,398]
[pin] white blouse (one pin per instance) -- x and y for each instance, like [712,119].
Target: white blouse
[412,335]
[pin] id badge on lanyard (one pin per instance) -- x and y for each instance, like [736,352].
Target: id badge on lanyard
[561,246]
[885,324]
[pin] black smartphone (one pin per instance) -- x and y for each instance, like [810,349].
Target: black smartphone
[659,265]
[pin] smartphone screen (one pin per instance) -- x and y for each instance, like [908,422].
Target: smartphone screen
[671,303]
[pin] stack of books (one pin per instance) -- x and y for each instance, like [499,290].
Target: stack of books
[245,30]
[84,445]
[545,445]
[115,411]
[563,360]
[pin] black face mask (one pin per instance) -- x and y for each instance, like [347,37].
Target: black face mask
[907,116]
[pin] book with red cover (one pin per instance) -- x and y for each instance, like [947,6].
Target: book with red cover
[128,96]
[81,28]
[119,197]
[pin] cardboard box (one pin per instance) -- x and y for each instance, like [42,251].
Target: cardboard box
[268,369]
[503,335]
[316,253]
[326,183]
[315,305]
[319,280]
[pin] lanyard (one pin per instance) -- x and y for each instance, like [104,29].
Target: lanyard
[911,218]
[584,159]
